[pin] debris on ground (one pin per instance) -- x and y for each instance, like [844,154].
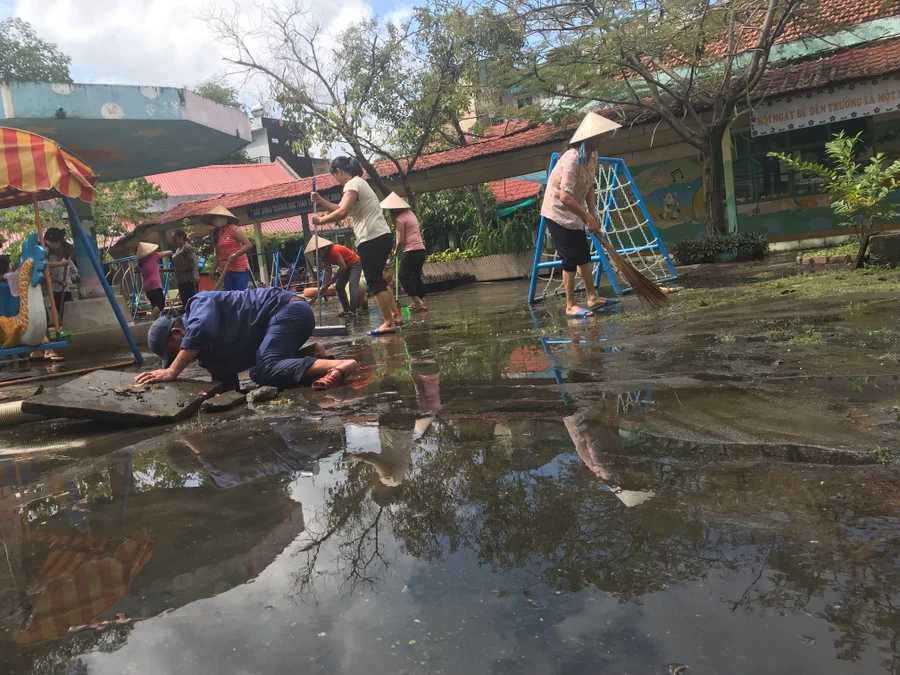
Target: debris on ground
[261,395]
[223,402]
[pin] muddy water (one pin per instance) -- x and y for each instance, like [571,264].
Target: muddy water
[503,493]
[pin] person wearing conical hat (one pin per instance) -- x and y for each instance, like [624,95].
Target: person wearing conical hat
[148,257]
[232,247]
[348,273]
[595,433]
[570,206]
[410,244]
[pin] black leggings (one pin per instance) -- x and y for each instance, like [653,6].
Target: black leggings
[187,290]
[411,273]
[373,255]
[157,298]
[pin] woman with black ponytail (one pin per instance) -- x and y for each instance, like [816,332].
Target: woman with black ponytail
[374,240]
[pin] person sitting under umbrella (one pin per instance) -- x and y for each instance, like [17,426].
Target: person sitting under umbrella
[228,332]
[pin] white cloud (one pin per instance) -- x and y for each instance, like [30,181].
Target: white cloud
[150,42]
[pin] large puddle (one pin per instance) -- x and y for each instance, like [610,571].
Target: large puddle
[491,496]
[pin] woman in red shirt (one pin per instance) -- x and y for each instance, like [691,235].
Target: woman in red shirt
[348,272]
[232,246]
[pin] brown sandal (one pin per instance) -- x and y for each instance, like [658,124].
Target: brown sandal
[333,378]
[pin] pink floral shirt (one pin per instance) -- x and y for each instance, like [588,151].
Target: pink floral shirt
[576,179]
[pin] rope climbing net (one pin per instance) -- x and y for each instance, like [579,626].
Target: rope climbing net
[626,224]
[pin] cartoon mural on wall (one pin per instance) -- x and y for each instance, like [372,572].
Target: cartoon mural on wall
[673,194]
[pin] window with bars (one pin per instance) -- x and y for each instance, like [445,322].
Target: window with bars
[758,177]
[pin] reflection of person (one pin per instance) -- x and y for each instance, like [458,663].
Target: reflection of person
[569,206]
[184,260]
[426,377]
[148,267]
[596,432]
[374,240]
[348,273]
[229,332]
[410,244]
[231,246]
[391,464]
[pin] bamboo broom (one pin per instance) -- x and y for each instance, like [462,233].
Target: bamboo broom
[646,291]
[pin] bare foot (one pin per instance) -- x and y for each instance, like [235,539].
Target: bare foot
[387,327]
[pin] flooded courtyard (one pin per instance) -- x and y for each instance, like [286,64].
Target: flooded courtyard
[498,491]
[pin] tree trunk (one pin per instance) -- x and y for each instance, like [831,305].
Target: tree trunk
[377,182]
[479,205]
[410,195]
[864,233]
[475,190]
[712,169]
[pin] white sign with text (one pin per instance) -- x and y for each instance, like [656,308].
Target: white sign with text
[821,106]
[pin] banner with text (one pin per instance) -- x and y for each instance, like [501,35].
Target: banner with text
[834,104]
[289,207]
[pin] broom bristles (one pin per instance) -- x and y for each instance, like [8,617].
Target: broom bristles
[646,291]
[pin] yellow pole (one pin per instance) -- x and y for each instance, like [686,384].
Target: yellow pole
[40,231]
[261,254]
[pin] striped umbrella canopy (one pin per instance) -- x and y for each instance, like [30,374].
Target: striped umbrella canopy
[33,166]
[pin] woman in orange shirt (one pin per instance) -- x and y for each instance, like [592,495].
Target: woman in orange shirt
[232,246]
[348,272]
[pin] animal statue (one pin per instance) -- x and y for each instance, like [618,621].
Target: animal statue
[670,204]
[27,328]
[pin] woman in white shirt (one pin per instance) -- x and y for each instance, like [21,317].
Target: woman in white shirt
[374,240]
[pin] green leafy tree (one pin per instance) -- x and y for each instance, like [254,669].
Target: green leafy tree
[120,203]
[384,90]
[115,205]
[858,191]
[216,90]
[691,63]
[18,222]
[24,57]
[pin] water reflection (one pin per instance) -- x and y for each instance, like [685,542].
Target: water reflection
[454,519]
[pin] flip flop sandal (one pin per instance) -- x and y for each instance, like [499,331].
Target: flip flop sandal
[55,359]
[333,378]
[376,332]
[609,302]
[580,314]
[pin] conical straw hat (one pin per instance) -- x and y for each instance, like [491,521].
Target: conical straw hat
[316,242]
[592,125]
[394,201]
[219,211]
[144,249]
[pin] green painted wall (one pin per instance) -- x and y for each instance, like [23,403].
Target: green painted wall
[673,193]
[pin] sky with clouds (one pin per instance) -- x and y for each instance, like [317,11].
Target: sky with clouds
[153,42]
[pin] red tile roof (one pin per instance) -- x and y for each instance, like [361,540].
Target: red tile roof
[510,191]
[220,179]
[869,61]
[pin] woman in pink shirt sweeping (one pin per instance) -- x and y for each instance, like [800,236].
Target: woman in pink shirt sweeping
[148,266]
[409,242]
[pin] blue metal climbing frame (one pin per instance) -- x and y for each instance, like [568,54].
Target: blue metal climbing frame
[617,177]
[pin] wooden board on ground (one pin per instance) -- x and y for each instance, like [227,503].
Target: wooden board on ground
[112,396]
[324,331]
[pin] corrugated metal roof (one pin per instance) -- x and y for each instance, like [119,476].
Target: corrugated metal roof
[511,190]
[219,179]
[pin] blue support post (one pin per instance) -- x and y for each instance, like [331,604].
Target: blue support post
[542,228]
[78,233]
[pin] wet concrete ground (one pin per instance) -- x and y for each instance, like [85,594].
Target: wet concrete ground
[499,491]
